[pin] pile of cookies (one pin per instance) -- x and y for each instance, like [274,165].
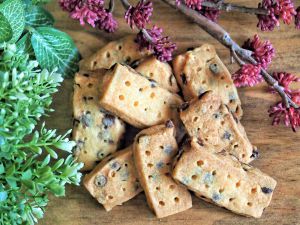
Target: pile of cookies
[170,143]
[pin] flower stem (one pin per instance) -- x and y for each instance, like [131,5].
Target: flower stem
[217,32]
[125,4]
[232,7]
[111,6]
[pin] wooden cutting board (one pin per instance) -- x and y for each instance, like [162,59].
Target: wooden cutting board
[279,146]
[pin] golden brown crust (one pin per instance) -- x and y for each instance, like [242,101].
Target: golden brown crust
[154,150]
[114,180]
[222,179]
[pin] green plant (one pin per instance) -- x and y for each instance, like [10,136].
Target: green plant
[30,168]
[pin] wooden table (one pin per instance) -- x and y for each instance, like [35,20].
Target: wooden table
[279,146]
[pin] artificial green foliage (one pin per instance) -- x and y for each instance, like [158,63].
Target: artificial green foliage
[30,26]
[29,164]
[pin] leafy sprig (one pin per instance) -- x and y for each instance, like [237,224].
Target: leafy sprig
[29,169]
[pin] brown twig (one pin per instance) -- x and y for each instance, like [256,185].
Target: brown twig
[216,31]
[111,6]
[232,7]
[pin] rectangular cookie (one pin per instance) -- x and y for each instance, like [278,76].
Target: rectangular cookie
[159,71]
[114,180]
[125,50]
[209,120]
[201,70]
[220,178]
[97,132]
[135,99]
[154,149]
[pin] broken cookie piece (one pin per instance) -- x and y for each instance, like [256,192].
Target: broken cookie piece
[125,50]
[96,132]
[159,71]
[154,151]
[220,178]
[137,100]
[210,121]
[114,181]
[201,70]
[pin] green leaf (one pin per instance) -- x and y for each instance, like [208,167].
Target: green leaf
[5,29]
[3,196]
[24,45]
[54,48]
[36,16]
[65,145]
[13,11]
[58,190]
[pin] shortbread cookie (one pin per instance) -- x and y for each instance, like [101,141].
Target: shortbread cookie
[222,179]
[125,50]
[200,70]
[154,150]
[135,99]
[159,71]
[114,180]
[96,131]
[209,120]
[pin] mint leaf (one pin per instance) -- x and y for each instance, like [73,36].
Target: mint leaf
[24,45]
[5,29]
[13,11]
[55,49]
[3,196]
[36,16]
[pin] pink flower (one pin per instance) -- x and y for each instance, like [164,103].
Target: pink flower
[155,33]
[278,9]
[297,18]
[162,47]
[139,15]
[263,51]
[210,13]
[91,12]
[106,22]
[285,79]
[289,116]
[247,75]
[194,4]
[84,14]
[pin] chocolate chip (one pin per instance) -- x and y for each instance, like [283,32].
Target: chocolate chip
[183,78]
[227,135]
[135,64]
[108,120]
[153,83]
[86,75]
[214,68]
[115,166]
[86,119]
[266,190]
[184,106]
[77,84]
[169,124]
[190,48]
[159,165]
[201,95]
[100,181]
[255,154]
[168,149]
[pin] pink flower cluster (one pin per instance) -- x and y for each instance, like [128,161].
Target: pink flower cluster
[194,4]
[91,12]
[278,9]
[279,112]
[263,53]
[139,15]
[247,75]
[161,46]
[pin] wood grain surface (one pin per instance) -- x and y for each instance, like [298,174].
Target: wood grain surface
[279,146]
